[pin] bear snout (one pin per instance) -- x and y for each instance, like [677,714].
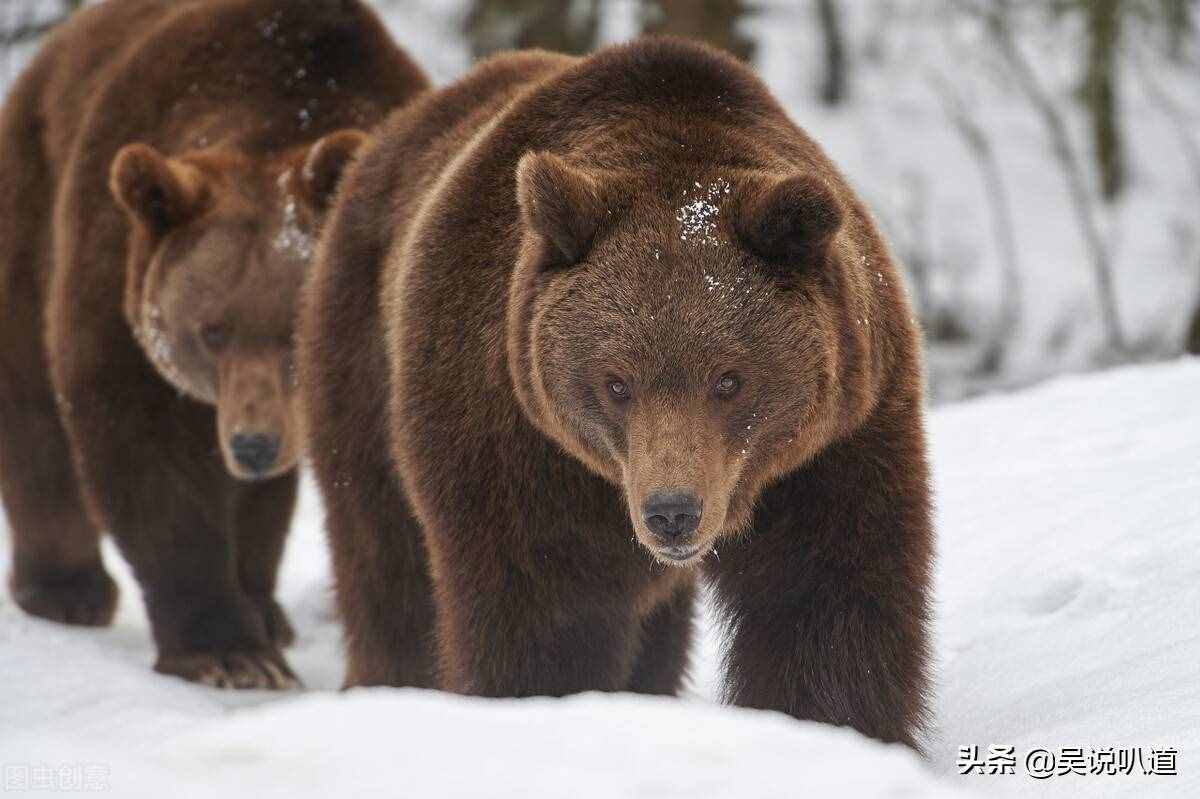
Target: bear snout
[256,453]
[672,515]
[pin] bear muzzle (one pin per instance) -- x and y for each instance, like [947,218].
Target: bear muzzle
[256,453]
[256,419]
[672,515]
[671,524]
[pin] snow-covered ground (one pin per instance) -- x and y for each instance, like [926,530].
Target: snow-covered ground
[1068,611]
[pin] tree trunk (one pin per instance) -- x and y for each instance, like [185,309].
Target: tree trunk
[834,82]
[1060,141]
[27,26]
[566,26]
[1100,92]
[1193,337]
[1177,20]
[1008,318]
[1181,124]
[711,21]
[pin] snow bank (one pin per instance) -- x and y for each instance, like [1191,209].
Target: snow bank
[1068,602]
[418,743]
[1068,585]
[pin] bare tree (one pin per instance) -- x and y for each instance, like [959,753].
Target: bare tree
[835,81]
[1003,228]
[1178,21]
[1100,91]
[1182,125]
[997,20]
[1191,342]
[566,26]
[712,21]
[26,27]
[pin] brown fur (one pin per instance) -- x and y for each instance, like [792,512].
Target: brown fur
[164,168]
[561,290]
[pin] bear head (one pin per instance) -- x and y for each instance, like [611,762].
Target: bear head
[679,334]
[219,244]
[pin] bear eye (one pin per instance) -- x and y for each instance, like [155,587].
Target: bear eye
[618,388]
[214,336]
[728,385]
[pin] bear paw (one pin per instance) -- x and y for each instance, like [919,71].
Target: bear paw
[87,598]
[261,669]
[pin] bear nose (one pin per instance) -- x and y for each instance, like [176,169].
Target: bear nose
[255,453]
[672,514]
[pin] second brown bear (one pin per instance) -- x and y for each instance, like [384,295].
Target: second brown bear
[164,168]
[587,331]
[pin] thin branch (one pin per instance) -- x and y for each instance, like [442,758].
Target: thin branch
[29,32]
[1027,80]
[1003,227]
[1182,127]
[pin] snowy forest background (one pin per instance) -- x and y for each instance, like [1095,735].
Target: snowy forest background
[1035,163]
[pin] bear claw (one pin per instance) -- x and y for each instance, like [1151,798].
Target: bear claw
[260,670]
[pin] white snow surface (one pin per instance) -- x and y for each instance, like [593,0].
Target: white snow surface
[1067,608]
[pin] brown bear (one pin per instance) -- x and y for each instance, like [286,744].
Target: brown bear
[585,331]
[163,169]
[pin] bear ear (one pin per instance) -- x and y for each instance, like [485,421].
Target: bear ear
[160,192]
[790,222]
[560,203]
[325,163]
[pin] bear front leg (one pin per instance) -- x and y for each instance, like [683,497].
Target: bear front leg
[506,647]
[826,595]
[154,477]
[542,626]
[382,577]
[666,640]
[57,570]
[263,515]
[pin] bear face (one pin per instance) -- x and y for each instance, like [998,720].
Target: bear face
[692,368]
[219,245]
